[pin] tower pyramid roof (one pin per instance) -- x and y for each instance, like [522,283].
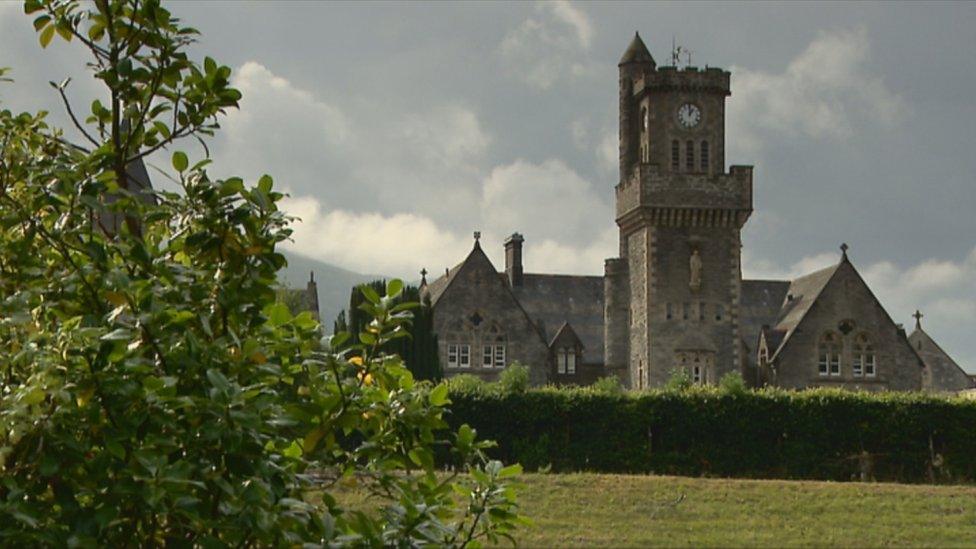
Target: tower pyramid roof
[636,52]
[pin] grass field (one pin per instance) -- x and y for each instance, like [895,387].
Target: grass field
[620,510]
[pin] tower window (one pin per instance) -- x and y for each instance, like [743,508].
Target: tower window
[670,313]
[719,313]
[690,155]
[675,155]
[701,311]
[686,313]
[704,156]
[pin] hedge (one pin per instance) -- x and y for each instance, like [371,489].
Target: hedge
[814,434]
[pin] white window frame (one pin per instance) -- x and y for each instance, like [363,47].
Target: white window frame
[452,355]
[561,361]
[500,356]
[834,362]
[823,365]
[857,364]
[570,360]
[464,356]
[486,356]
[871,365]
[697,374]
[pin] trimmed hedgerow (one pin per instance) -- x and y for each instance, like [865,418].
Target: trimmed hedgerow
[815,434]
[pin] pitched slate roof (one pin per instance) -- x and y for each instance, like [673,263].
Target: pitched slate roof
[552,300]
[437,287]
[760,305]
[802,294]
[946,373]
[565,332]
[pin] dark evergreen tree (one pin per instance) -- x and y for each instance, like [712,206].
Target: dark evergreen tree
[418,351]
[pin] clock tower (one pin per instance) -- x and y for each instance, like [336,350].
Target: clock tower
[672,297]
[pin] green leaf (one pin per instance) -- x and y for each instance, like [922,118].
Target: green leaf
[218,380]
[265,184]
[278,314]
[294,450]
[118,334]
[438,396]
[370,294]
[180,161]
[46,35]
[394,287]
[510,471]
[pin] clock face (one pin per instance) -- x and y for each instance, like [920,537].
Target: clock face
[689,115]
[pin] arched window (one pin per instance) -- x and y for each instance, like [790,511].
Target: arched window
[864,361]
[704,156]
[690,156]
[675,155]
[828,350]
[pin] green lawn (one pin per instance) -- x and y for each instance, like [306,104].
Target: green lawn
[619,510]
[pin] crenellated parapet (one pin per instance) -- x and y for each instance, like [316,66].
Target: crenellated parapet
[650,196]
[684,79]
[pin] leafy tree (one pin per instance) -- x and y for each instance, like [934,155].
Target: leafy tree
[733,384]
[153,392]
[514,378]
[610,385]
[680,380]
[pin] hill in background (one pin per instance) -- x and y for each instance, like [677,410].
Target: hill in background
[334,283]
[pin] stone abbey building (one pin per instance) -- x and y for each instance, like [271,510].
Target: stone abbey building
[674,298]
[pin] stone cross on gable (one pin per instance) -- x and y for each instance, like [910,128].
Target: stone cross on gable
[918,318]
[843,248]
[477,235]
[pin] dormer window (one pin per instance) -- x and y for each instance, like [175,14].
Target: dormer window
[566,361]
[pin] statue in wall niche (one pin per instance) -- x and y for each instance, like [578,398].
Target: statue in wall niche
[695,267]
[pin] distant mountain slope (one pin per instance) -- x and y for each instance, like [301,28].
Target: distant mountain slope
[334,283]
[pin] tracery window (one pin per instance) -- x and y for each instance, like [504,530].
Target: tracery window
[499,356]
[452,356]
[829,350]
[864,362]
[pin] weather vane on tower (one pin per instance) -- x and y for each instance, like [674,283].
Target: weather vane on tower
[677,51]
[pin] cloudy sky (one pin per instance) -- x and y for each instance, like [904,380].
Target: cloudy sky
[398,129]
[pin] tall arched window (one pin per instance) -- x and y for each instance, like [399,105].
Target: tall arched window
[864,364]
[644,147]
[704,156]
[690,156]
[675,155]
[828,363]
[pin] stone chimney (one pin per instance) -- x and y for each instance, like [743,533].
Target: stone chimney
[513,259]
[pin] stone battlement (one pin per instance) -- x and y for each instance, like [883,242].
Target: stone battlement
[709,79]
[648,189]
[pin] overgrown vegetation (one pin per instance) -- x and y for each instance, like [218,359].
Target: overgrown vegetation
[729,431]
[153,392]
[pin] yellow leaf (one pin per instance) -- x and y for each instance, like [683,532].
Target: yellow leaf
[258,357]
[312,439]
[357,360]
[115,298]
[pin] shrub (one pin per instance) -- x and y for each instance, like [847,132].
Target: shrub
[609,385]
[514,378]
[813,434]
[466,383]
[154,393]
[732,383]
[679,380]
